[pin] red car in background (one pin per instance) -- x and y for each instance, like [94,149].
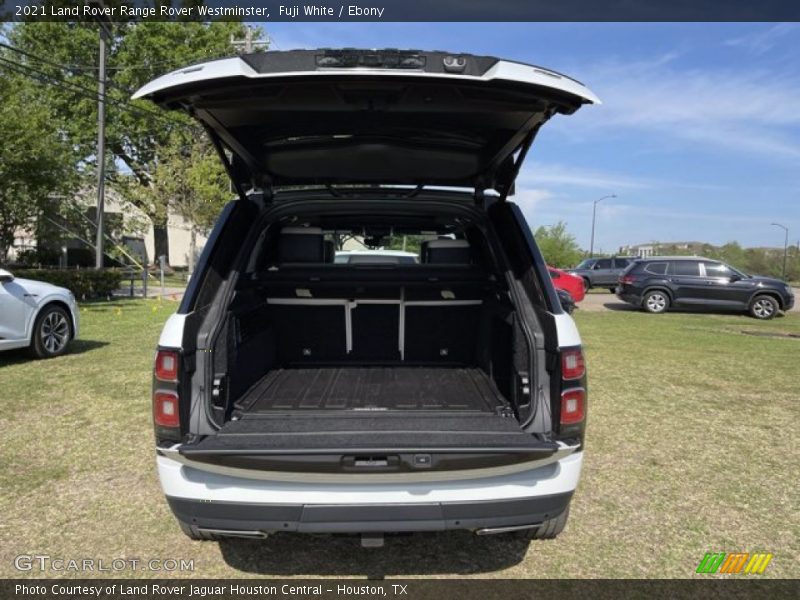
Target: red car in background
[572,284]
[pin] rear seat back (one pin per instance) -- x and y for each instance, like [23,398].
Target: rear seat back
[446,252]
[435,322]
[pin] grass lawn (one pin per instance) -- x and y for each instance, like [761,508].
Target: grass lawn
[691,447]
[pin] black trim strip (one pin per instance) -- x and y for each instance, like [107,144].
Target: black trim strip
[360,518]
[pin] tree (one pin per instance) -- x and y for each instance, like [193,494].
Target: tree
[135,130]
[558,247]
[193,182]
[35,161]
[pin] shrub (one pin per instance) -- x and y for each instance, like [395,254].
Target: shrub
[84,283]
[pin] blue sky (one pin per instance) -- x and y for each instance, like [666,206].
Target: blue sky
[698,134]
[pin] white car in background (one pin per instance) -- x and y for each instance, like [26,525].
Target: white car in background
[376,257]
[36,315]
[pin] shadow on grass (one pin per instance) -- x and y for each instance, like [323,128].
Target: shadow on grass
[454,552]
[620,306]
[83,346]
[14,357]
[686,310]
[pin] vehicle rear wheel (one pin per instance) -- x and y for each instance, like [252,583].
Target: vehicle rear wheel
[655,302]
[193,533]
[51,332]
[612,289]
[764,307]
[548,530]
[587,285]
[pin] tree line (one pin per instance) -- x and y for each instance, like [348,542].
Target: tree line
[560,249]
[161,163]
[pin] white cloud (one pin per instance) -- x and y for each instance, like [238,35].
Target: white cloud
[537,173]
[531,199]
[747,111]
[762,41]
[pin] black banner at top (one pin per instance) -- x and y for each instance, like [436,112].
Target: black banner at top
[401,10]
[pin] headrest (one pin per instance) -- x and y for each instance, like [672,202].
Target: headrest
[446,252]
[301,245]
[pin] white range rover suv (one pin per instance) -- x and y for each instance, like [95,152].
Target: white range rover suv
[294,393]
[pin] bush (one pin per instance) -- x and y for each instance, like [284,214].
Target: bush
[84,283]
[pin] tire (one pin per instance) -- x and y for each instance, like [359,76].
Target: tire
[655,302]
[764,307]
[587,285]
[548,530]
[613,290]
[52,332]
[193,533]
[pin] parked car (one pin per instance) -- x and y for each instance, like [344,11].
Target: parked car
[376,257]
[601,272]
[293,394]
[572,284]
[658,283]
[36,315]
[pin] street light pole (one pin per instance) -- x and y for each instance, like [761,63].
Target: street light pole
[785,247]
[594,215]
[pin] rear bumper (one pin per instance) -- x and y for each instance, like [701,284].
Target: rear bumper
[363,518]
[223,502]
[634,299]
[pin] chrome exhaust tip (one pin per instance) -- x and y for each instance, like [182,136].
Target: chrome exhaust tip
[237,533]
[510,529]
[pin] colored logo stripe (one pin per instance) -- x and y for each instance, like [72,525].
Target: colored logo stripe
[734,562]
[758,563]
[711,562]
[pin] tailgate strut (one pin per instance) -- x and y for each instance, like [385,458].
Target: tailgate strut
[237,150]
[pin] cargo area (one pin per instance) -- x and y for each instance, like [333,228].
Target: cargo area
[369,350]
[373,389]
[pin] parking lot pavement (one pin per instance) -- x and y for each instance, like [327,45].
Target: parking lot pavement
[600,301]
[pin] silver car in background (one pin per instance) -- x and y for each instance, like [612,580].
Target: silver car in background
[36,315]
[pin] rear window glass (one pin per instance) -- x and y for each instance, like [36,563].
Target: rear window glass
[656,268]
[621,263]
[604,263]
[367,240]
[686,267]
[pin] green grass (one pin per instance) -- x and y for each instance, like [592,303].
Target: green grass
[691,447]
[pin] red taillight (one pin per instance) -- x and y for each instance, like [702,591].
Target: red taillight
[572,365]
[626,279]
[166,365]
[165,409]
[573,404]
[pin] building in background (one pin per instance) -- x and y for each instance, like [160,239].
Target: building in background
[661,248]
[69,243]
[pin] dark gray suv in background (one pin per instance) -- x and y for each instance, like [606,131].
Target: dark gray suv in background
[657,283]
[602,272]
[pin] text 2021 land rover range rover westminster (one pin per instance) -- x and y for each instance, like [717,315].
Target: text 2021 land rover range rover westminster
[296,392]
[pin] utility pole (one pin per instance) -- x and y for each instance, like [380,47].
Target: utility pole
[105,35]
[785,247]
[248,44]
[594,215]
[101,150]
